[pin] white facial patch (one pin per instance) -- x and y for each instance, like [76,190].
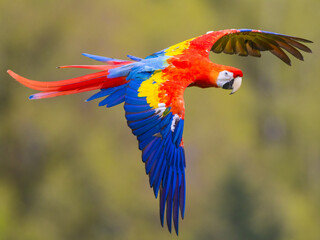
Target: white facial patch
[224,77]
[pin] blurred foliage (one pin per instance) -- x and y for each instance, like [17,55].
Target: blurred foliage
[71,170]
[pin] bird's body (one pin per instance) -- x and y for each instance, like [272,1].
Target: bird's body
[152,91]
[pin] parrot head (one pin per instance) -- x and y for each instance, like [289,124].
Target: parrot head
[226,77]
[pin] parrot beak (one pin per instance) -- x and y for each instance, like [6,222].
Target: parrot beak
[236,84]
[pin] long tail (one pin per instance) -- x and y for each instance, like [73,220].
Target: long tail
[84,83]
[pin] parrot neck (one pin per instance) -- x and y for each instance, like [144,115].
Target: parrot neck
[207,74]
[210,72]
[197,70]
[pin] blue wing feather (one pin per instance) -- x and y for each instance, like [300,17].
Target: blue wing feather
[157,166]
[158,178]
[157,161]
[114,96]
[136,108]
[139,115]
[138,124]
[162,203]
[162,150]
[102,59]
[102,93]
[135,100]
[134,85]
[176,206]
[134,58]
[169,206]
[267,32]
[149,133]
[150,148]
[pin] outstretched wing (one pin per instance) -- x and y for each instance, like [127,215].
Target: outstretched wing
[157,118]
[246,42]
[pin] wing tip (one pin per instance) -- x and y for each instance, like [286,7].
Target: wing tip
[301,39]
[176,228]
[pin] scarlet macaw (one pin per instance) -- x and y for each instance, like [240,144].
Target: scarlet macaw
[152,91]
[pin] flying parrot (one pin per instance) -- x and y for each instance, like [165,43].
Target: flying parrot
[152,92]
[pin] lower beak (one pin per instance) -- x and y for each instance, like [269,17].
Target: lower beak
[236,84]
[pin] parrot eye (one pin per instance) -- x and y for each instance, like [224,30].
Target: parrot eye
[223,77]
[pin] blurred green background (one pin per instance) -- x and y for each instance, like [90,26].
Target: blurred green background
[72,170]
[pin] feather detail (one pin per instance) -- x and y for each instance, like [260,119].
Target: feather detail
[94,67]
[246,42]
[108,60]
[84,83]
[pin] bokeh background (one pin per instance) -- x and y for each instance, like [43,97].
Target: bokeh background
[72,170]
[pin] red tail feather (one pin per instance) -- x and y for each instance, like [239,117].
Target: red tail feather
[84,83]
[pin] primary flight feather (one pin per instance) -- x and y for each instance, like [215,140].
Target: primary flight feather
[152,91]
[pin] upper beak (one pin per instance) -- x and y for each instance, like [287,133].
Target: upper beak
[236,84]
